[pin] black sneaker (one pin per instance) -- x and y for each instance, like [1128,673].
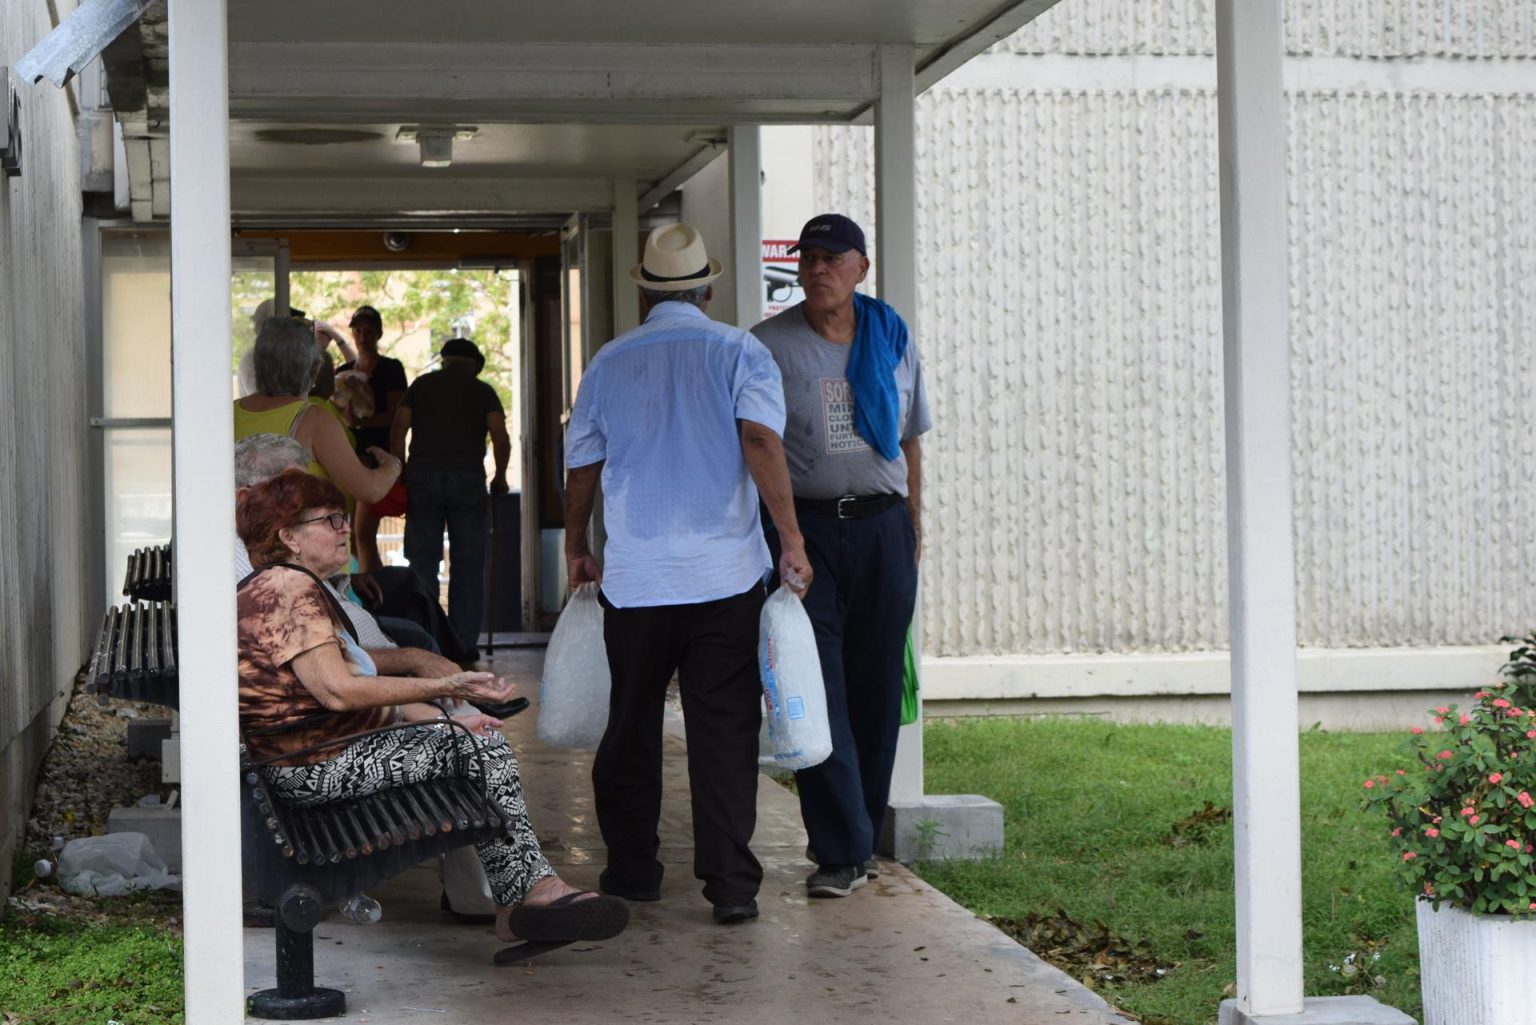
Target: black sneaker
[606,884]
[730,914]
[871,867]
[835,880]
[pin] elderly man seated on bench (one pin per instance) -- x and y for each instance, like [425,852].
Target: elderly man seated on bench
[306,683]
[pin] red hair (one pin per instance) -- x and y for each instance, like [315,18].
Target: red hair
[267,508]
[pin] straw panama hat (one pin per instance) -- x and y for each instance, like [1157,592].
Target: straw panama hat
[675,261]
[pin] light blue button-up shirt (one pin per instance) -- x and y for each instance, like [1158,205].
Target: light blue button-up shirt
[658,408]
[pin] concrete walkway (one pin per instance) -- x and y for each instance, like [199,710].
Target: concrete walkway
[895,952]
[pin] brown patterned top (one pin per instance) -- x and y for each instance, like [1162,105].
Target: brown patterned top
[282,614]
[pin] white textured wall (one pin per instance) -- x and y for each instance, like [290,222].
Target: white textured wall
[1070,320]
[42,431]
[1344,28]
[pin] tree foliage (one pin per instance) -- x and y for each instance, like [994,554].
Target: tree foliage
[477,304]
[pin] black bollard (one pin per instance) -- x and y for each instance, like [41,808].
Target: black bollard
[296,998]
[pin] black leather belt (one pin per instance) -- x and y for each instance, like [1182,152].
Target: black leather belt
[849,507]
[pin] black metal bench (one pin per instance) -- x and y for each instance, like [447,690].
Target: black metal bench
[135,655]
[149,574]
[300,859]
[296,860]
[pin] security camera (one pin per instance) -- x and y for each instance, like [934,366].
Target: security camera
[397,241]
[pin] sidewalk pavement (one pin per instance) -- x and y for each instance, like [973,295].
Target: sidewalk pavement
[895,952]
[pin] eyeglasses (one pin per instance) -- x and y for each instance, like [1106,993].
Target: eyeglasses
[337,520]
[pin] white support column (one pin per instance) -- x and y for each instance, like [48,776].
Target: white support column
[746,155]
[896,181]
[1261,589]
[205,513]
[896,272]
[626,228]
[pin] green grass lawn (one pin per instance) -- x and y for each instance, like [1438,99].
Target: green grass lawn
[54,973]
[1090,810]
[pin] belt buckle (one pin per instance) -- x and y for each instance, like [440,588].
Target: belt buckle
[846,503]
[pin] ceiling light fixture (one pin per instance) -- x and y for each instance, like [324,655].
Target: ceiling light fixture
[436,141]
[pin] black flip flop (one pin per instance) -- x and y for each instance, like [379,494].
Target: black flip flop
[526,951]
[505,711]
[597,917]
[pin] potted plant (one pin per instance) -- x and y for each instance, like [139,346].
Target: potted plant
[1463,832]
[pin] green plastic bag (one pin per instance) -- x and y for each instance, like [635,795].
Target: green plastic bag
[909,686]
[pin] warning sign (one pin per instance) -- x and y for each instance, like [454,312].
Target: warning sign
[781,276]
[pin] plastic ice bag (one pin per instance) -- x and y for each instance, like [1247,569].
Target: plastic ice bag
[573,695]
[112,865]
[794,695]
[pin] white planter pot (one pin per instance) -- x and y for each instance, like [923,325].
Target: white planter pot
[1476,969]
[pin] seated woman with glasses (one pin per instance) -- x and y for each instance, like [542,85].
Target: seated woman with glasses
[304,681]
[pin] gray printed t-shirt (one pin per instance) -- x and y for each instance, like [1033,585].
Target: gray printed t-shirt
[827,456]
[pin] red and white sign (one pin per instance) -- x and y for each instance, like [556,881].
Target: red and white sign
[781,280]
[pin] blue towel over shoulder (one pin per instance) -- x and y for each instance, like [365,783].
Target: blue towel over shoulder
[879,343]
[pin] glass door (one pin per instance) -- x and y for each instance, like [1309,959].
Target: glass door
[132,410]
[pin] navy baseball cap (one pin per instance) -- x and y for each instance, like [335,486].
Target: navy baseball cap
[832,232]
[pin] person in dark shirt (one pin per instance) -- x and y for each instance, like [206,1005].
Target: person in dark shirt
[448,414]
[386,379]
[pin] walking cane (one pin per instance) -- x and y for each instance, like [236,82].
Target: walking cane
[490,590]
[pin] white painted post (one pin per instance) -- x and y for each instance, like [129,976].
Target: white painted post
[746,187]
[626,228]
[205,511]
[1261,588]
[896,272]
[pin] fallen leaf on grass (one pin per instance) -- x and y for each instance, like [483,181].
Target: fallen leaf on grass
[1197,826]
[1089,952]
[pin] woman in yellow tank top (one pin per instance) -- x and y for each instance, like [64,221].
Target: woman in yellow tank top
[286,359]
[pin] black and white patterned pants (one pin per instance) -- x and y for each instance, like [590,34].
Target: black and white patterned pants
[512,863]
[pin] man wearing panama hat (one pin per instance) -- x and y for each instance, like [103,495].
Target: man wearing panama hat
[681,419]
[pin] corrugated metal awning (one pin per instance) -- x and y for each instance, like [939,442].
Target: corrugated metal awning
[65,51]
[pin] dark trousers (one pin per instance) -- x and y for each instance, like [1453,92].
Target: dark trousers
[712,646]
[860,604]
[439,498]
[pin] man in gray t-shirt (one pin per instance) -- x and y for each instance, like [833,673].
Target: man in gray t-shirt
[855,407]
[828,458]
